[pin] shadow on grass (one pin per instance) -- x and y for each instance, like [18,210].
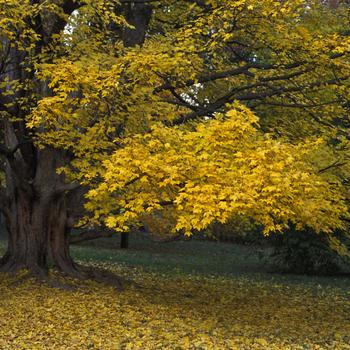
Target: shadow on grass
[198,258]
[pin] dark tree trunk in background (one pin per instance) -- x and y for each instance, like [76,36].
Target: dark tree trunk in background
[124,240]
[138,15]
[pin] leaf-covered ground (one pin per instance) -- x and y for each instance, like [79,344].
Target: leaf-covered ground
[176,309]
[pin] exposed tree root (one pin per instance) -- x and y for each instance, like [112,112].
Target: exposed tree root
[18,280]
[20,274]
[10,267]
[102,276]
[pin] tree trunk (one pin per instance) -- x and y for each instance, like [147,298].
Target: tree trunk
[124,240]
[36,218]
[39,240]
[37,235]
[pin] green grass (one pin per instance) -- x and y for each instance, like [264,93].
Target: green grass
[199,258]
[195,258]
[184,257]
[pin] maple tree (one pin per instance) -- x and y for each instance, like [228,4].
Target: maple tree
[198,110]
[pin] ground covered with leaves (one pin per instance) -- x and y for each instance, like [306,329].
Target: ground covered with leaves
[176,310]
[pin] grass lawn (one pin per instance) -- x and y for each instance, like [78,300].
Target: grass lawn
[188,295]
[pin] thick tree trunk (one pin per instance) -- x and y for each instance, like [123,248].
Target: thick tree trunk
[36,211]
[39,241]
[37,235]
[36,217]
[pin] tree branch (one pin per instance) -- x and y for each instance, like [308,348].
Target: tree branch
[90,235]
[335,164]
[67,187]
[250,96]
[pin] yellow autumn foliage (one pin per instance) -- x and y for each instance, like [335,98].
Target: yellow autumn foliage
[221,168]
[126,115]
[174,122]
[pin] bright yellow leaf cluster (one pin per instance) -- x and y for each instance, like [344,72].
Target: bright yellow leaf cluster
[221,168]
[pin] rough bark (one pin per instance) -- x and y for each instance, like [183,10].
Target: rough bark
[38,224]
[36,217]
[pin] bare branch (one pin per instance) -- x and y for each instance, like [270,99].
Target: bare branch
[67,187]
[232,95]
[90,235]
[336,164]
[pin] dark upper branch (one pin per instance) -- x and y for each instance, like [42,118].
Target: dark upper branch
[204,79]
[281,90]
[336,164]
[6,152]
[9,152]
[234,72]
[70,6]
[245,70]
[298,105]
[90,235]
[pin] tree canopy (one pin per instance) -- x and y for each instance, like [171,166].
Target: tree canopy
[200,109]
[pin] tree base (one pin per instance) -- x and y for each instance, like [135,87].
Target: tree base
[62,278]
